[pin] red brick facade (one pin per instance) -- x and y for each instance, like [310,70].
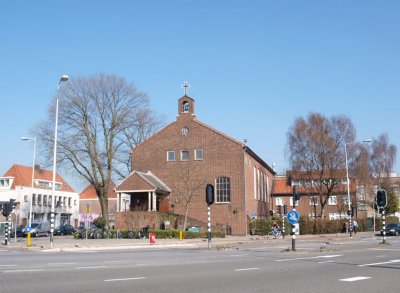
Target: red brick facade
[222,157]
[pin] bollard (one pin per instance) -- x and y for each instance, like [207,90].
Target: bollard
[28,239]
[152,237]
[180,235]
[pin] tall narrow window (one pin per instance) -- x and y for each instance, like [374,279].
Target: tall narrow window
[185,107]
[223,190]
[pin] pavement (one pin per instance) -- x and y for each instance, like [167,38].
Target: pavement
[68,243]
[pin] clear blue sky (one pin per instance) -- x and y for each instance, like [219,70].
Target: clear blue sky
[253,66]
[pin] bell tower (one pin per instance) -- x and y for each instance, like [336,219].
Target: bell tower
[186,103]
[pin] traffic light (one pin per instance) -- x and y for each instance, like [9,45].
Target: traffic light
[296,196]
[6,210]
[284,209]
[209,194]
[381,198]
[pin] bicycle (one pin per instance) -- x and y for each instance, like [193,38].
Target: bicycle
[274,235]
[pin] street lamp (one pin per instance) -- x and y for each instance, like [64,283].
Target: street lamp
[62,79]
[348,184]
[33,175]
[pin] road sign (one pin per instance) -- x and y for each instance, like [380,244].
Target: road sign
[293,217]
[28,229]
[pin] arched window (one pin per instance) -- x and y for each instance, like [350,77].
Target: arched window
[223,190]
[185,107]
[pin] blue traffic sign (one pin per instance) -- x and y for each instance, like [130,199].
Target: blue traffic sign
[293,217]
[28,229]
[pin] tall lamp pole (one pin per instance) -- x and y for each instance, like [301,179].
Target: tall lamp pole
[348,184]
[53,186]
[33,179]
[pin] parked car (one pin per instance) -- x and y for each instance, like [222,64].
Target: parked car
[65,229]
[38,229]
[392,229]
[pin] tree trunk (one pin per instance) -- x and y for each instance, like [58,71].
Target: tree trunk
[104,206]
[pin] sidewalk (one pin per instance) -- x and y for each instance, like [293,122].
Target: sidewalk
[67,243]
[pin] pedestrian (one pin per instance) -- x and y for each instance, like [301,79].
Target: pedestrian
[355,226]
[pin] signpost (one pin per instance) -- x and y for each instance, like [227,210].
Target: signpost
[293,218]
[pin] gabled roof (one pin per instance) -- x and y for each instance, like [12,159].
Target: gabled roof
[139,181]
[241,144]
[90,193]
[23,177]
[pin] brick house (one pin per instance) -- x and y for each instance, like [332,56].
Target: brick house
[173,167]
[89,205]
[309,204]
[17,184]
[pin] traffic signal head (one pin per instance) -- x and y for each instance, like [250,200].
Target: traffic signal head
[381,198]
[209,194]
[296,196]
[6,211]
[284,209]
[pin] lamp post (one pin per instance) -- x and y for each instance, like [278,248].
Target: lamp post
[33,179]
[348,184]
[53,186]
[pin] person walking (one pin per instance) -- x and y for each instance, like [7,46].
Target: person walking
[355,226]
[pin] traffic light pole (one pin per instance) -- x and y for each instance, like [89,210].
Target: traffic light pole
[383,226]
[209,227]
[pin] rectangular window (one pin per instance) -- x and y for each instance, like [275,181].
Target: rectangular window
[291,202]
[39,199]
[184,155]
[313,200]
[50,202]
[223,190]
[45,200]
[69,201]
[33,199]
[361,193]
[279,201]
[255,181]
[25,198]
[312,215]
[170,156]
[332,200]
[198,154]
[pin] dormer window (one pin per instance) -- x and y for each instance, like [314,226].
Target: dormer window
[185,107]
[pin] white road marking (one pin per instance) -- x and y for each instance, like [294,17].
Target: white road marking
[238,255]
[329,261]
[380,263]
[92,267]
[354,279]
[311,257]
[23,271]
[248,269]
[8,265]
[126,279]
[117,261]
[61,263]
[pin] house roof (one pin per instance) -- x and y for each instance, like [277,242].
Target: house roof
[90,193]
[23,177]
[139,181]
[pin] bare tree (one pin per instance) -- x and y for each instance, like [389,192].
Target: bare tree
[96,115]
[315,147]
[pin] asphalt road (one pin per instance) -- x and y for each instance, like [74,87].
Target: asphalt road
[365,267]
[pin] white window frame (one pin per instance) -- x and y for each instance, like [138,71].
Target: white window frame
[223,190]
[172,153]
[313,200]
[196,154]
[279,201]
[184,152]
[291,201]
[332,200]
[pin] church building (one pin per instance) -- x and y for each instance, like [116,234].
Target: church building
[173,167]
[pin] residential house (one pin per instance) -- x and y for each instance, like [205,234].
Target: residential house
[17,184]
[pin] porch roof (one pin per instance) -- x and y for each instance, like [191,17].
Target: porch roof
[140,182]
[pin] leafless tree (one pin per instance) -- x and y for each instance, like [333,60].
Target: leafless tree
[315,147]
[99,117]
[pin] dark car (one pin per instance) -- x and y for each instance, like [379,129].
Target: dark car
[19,231]
[64,230]
[392,229]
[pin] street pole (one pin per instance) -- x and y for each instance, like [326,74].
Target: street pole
[348,191]
[62,79]
[383,226]
[293,225]
[28,238]
[209,226]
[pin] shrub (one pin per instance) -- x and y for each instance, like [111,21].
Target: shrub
[100,222]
